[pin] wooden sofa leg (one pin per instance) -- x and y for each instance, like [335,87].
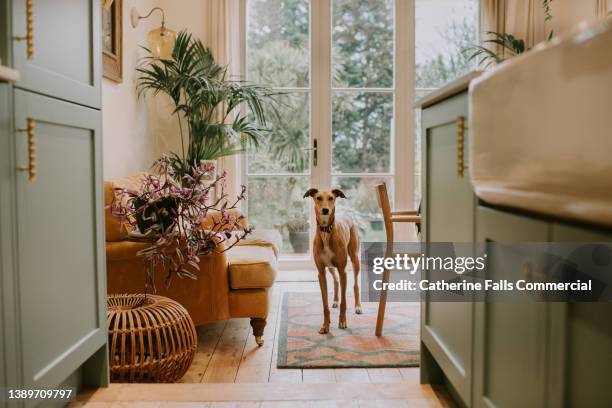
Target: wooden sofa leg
[258,324]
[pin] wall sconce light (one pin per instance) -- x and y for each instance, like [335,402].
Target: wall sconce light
[161,40]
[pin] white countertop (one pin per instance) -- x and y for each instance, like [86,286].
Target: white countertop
[8,74]
[451,89]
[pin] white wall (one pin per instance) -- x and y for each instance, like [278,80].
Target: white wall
[126,120]
[137,131]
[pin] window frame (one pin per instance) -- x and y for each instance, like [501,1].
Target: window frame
[321,90]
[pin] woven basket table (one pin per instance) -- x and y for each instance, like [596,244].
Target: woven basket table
[152,340]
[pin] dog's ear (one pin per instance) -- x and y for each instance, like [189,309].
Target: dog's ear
[310,192]
[338,193]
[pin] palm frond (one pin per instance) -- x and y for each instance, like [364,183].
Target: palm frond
[223,116]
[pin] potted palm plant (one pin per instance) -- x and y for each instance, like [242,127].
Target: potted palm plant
[207,104]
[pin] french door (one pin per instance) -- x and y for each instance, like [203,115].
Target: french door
[345,72]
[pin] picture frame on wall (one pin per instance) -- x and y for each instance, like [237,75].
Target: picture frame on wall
[112,39]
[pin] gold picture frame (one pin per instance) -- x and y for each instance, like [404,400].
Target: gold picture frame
[112,40]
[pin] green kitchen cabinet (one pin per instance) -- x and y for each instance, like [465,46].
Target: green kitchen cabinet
[448,216]
[584,357]
[62,56]
[61,288]
[510,337]
[493,353]
[52,265]
[7,321]
[557,354]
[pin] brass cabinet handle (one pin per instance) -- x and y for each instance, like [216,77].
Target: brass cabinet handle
[461,167]
[31,132]
[29,37]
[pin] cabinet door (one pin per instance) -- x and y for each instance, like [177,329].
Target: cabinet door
[62,283]
[7,323]
[448,210]
[510,338]
[581,340]
[65,59]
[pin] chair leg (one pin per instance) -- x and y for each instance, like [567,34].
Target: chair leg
[382,304]
[258,324]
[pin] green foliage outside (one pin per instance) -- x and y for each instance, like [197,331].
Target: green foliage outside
[278,55]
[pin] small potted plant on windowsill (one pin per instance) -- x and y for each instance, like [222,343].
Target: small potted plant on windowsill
[297,225]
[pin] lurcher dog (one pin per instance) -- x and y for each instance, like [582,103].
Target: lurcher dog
[336,240]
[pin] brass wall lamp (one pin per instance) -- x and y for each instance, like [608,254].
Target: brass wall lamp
[161,40]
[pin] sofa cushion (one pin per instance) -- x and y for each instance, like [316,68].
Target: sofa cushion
[251,266]
[115,229]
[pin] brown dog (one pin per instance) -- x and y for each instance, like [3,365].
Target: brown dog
[336,239]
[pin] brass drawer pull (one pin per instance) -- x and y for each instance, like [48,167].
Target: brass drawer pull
[29,37]
[31,167]
[460,146]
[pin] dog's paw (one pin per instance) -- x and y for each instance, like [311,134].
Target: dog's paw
[335,305]
[342,324]
[358,310]
[324,330]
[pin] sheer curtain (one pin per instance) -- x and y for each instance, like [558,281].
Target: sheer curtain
[604,7]
[525,18]
[522,18]
[223,33]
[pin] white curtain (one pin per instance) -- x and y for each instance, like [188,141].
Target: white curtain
[223,32]
[522,18]
[525,18]
[604,7]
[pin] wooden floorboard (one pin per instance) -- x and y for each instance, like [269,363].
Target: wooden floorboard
[227,352]
[225,361]
[229,370]
[294,394]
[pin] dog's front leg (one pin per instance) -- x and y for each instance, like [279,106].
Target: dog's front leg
[334,274]
[323,285]
[342,322]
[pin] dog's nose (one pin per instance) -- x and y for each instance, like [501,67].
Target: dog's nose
[325,211]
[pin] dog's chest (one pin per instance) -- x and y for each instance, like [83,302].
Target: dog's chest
[327,255]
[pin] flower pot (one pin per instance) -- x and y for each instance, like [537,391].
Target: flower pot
[376,225]
[299,241]
[162,212]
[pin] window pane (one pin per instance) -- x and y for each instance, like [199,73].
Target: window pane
[362,204]
[361,140]
[277,51]
[363,43]
[444,28]
[277,203]
[283,151]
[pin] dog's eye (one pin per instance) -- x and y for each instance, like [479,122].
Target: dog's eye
[319,198]
[330,198]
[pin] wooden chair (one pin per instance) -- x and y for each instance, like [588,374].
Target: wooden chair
[389,218]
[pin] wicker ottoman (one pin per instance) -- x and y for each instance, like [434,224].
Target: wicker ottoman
[150,341]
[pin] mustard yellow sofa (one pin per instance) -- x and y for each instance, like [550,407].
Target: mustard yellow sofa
[236,283]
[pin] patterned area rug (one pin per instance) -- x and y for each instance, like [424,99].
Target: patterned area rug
[301,346]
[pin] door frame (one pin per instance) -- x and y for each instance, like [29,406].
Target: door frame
[403,135]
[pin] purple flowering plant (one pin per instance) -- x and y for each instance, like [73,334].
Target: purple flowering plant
[170,213]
